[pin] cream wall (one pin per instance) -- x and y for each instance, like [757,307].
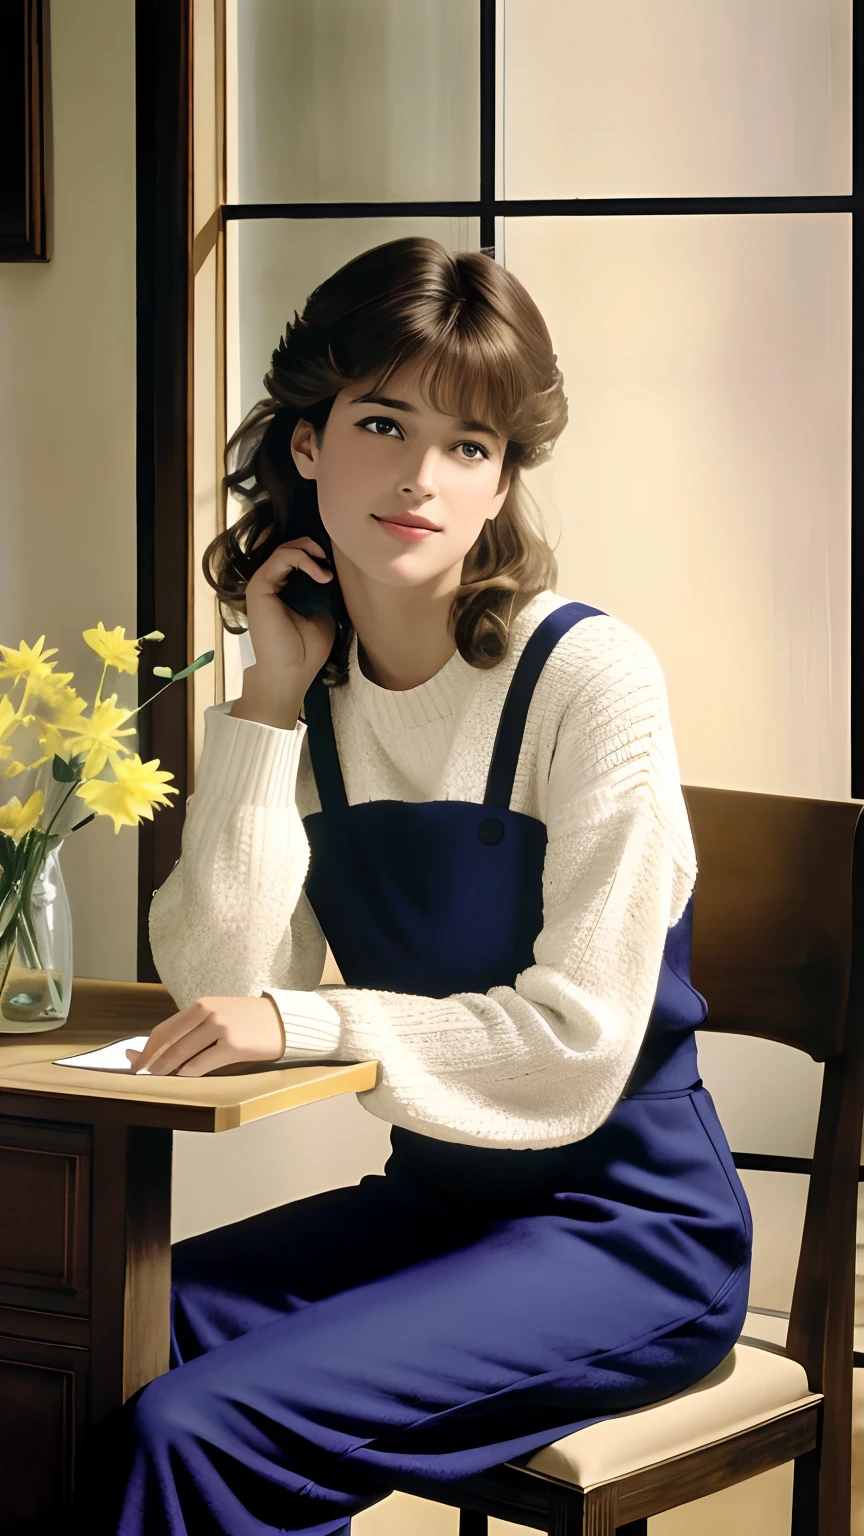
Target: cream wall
[67,427]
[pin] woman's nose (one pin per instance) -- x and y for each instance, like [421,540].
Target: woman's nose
[425,480]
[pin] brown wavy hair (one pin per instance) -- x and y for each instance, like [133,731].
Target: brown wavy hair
[486,356]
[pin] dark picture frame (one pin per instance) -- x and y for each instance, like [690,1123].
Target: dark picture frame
[25,131]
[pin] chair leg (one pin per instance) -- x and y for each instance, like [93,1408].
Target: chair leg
[590,1514]
[805,1496]
[472,1524]
[567,1513]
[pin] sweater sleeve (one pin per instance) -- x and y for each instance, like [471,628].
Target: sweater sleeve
[543,1062]
[232,914]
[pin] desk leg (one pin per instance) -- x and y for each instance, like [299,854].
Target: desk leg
[131,1264]
[85,1278]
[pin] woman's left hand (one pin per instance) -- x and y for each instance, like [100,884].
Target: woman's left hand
[214,1032]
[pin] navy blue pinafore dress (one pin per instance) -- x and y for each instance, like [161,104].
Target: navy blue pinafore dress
[470,1304]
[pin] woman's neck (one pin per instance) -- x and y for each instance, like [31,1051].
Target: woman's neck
[417,657]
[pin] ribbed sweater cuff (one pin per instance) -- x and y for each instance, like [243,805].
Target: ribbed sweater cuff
[246,761]
[312,1025]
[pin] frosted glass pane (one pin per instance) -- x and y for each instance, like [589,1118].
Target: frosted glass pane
[677,98]
[281,261]
[703,484]
[376,100]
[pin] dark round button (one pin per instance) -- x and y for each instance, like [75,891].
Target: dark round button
[490,830]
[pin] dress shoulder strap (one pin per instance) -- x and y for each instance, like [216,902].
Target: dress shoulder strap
[323,751]
[511,726]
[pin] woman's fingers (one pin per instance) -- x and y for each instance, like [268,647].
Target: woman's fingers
[175,1056]
[287,558]
[298,560]
[166,1036]
[218,1055]
[304,538]
[163,1035]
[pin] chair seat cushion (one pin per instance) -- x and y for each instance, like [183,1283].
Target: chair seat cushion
[751,1386]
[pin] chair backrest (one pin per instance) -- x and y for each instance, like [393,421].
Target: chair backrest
[778,952]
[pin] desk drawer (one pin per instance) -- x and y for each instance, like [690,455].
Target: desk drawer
[45,1173]
[43,1414]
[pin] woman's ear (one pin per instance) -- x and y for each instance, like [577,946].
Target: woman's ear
[303,443]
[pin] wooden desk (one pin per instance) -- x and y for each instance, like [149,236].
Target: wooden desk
[85,1224]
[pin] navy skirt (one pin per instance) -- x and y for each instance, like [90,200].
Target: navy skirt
[462,1309]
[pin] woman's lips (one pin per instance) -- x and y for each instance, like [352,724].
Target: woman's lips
[405,531]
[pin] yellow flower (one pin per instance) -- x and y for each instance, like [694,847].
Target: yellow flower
[17,819]
[51,690]
[58,710]
[137,788]
[7,719]
[101,735]
[55,719]
[53,700]
[11,721]
[116,651]
[65,711]
[26,662]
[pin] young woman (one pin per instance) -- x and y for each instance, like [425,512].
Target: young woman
[481,810]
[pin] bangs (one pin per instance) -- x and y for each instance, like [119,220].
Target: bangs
[469,376]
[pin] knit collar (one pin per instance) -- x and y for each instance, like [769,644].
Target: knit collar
[437,698]
[393,709]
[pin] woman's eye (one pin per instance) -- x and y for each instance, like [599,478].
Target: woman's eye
[385,421]
[378,421]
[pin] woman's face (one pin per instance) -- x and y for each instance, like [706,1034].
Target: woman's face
[391,456]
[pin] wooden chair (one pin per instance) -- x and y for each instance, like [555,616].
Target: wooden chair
[778,951]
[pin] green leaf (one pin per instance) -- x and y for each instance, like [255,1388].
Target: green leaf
[83,823]
[62,771]
[200,661]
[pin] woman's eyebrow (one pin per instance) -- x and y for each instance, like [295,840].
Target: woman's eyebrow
[405,405]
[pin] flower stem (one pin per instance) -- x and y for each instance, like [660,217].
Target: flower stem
[30,946]
[19,927]
[72,790]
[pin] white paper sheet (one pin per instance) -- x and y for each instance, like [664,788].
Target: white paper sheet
[108,1058]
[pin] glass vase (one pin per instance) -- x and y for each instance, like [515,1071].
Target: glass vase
[35,946]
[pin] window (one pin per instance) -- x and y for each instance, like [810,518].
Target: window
[674,186]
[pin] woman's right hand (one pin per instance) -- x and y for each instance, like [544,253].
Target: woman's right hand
[290,649]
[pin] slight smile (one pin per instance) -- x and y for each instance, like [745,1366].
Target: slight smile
[406,531]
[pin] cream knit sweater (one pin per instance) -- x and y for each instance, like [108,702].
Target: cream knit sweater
[537,1064]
